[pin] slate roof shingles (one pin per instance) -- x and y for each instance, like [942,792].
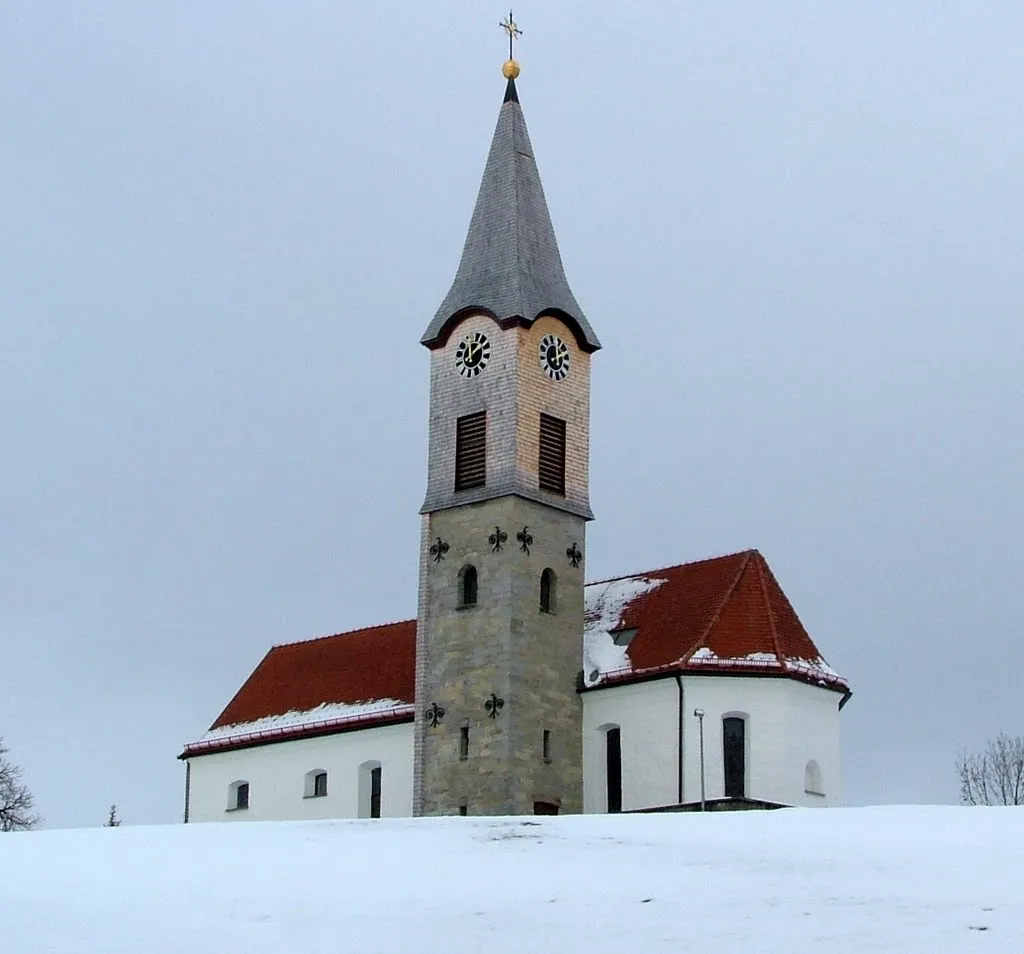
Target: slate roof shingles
[510,266]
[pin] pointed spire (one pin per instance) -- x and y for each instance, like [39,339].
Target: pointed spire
[510,264]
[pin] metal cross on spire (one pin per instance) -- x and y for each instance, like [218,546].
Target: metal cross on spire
[512,29]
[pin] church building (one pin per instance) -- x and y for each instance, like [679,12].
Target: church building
[519,688]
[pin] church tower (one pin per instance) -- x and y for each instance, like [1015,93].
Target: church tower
[500,617]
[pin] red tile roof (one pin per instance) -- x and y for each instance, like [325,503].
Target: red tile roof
[343,672]
[725,614]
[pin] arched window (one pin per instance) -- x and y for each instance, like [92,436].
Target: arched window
[467,586]
[238,795]
[369,790]
[316,784]
[734,762]
[613,767]
[548,586]
[812,779]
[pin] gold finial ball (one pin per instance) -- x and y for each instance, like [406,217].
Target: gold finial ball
[510,70]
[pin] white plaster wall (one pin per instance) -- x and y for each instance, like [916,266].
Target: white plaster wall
[276,776]
[815,734]
[647,714]
[788,723]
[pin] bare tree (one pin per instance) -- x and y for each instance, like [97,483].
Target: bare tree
[112,820]
[16,800]
[995,776]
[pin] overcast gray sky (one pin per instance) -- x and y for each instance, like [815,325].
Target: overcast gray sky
[796,228]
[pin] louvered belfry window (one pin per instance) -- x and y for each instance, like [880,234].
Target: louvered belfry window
[552,454]
[471,451]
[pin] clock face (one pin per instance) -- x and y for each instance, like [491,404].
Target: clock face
[473,353]
[554,357]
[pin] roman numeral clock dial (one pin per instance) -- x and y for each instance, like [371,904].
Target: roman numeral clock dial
[472,355]
[554,357]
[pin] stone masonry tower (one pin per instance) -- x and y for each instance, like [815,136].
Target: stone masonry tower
[500,621]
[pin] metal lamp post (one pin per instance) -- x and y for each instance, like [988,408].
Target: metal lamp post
[699,713]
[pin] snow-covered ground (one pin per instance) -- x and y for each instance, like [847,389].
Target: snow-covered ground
[900,880]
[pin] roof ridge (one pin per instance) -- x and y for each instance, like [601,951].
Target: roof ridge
[674,566]
[517,114]
[346,632]
[747,554]
[779,654]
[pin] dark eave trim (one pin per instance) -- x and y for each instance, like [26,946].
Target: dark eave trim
[669,672]
[299,732]
[440,339]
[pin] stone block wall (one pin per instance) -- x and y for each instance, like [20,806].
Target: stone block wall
[502,645]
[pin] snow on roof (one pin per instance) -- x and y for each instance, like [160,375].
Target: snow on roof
[812,667]
[605,604]
[705,656]
[362,677]
[327,715]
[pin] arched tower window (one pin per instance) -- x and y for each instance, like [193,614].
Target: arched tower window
[467,586]
[812,779]
[548,587]
[734,761]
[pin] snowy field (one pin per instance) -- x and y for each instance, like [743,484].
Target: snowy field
[904,880]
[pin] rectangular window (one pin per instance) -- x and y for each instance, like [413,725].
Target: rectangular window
[471,451]
[375,792]
[613,742]
[545,808]
[463,809]
[551,467]
[546,745]
[242,795]
[320,785]
[464,743]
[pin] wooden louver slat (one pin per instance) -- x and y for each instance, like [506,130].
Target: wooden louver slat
[471,451]
[552,454]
